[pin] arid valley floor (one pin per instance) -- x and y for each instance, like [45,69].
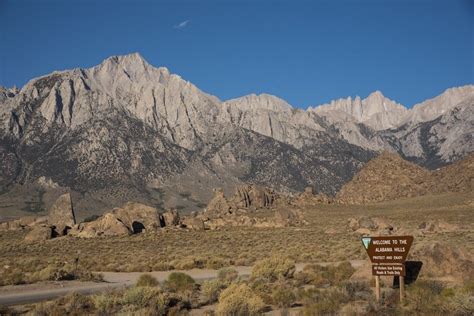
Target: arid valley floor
[444,285]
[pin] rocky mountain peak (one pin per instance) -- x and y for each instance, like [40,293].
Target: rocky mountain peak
[441,104]
[376,111]
[260,102]
[127,61]
[126,68]
[378,99]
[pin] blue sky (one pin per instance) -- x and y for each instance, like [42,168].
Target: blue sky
[307,52]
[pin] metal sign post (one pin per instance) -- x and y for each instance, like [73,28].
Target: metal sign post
[388,255]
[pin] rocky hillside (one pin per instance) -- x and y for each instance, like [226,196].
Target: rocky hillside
[457,177]
[389,177]
[127,131]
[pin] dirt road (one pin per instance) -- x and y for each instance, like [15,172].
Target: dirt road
[31,293]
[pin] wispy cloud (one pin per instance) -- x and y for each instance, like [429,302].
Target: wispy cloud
[181,25]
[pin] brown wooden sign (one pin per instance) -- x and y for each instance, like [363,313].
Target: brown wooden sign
[388,255]
[387,249]
[389,270]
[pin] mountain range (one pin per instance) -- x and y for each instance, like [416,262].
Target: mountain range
[125,130]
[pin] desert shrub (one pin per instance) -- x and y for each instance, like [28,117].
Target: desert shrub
[358,290]
[239,300]
[263,289]
[343,271]
[460,303]
[283,296]
[323,302]
[89,276]
[216,263]
[325,275]
[212,288]
[179,282]
[48,309]
[76,303]
[132,301]
[146,280]
[13,277]
[106,302]
[5,310]
[424,296]
[430,297]
[52,273]
[162,266]
[469,286]
[188,263]
[273,268]
[142,297]
[227,275]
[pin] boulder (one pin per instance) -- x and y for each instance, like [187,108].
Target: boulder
[287,217]
[27,221]
[10,225]
[308,198]
[365,225]
[247,196]
[214,223]
[353,224]
[383,225]
[40,233]
[436,226]
[61,214]
[170,218]
[23,222]
[193,223]
[138,217]
[218,204]
[366,222]
[308,191]
[330,231]
[106,225]
[250,206]
[365,232]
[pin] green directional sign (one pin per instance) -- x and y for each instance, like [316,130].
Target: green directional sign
[366,242]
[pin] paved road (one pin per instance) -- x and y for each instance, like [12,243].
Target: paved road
[37,295]
[31,293]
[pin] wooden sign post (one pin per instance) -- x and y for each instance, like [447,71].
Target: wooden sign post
[388,255]
[402,288]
